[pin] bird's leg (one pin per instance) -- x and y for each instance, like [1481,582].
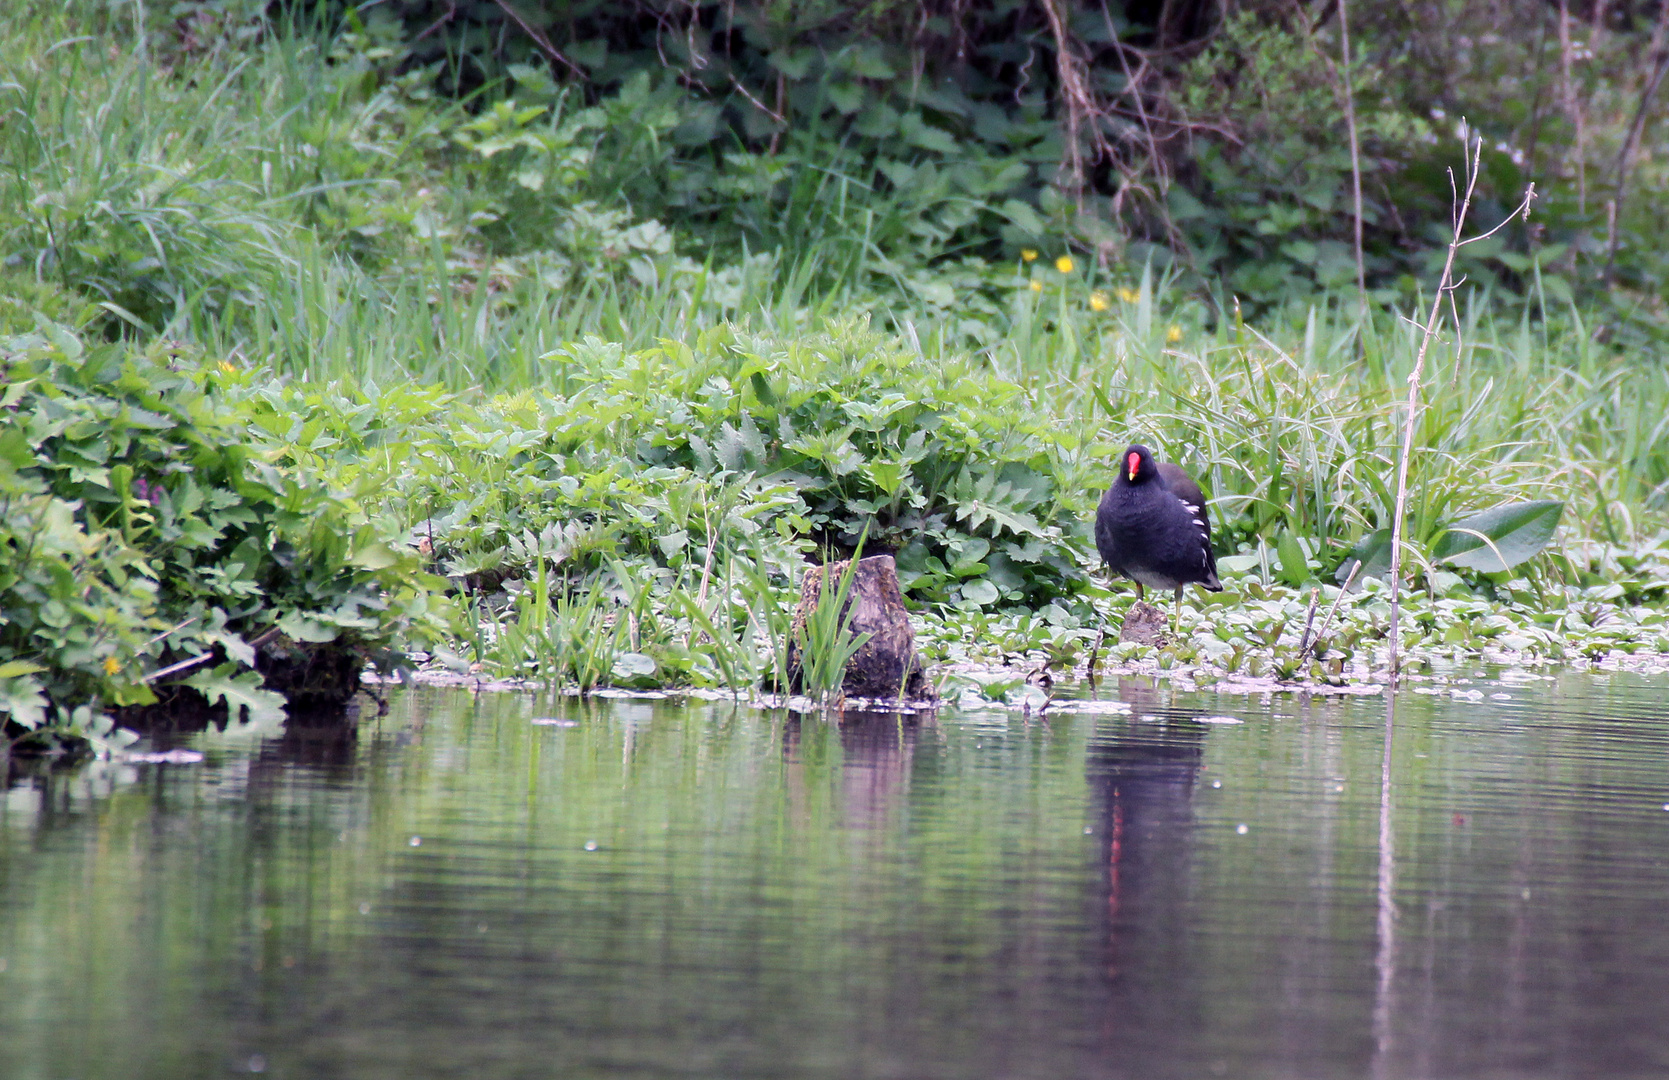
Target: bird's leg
[1141,592]
[1176,607]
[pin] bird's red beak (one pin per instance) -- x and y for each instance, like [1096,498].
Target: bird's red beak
[1135,463]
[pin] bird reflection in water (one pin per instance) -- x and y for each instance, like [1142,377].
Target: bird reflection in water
[1142,775]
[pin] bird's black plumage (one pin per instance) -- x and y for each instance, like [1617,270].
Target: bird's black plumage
[1152,527]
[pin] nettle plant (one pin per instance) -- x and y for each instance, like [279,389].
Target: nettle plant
[678,455]
[952,472]
[146,530]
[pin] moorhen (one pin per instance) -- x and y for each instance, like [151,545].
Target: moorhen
[1151,527]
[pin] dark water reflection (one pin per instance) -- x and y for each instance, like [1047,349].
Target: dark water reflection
[644,889]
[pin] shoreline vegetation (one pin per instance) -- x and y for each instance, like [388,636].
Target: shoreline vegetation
[310,357]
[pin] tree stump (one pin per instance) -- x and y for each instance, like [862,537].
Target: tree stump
[1145,625]
[887,665]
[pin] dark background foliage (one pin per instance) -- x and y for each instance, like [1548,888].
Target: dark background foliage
[1211,136]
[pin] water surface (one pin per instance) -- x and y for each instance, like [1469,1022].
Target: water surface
[510,886]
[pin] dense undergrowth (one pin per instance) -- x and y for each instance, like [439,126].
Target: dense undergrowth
[145,536]
[287,332]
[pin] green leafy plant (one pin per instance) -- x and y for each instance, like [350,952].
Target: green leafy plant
[1501,537]
[139,471]
[1488,541]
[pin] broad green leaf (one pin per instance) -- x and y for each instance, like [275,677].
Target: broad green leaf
[794,63]
[239,649]
[969,552]
[886,475]
[240,690]
[376,556]
[1294,570]
[629,664]
[22,701]
[1023,217]
[1514,531]
[11,669]
[918,132]
[1373,551]
[298,627]
[869,62]
[848,97]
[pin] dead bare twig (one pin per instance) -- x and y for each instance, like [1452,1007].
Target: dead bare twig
[1076,99]
[202,658]
[1309,621]
[552,53]
[1327,620]
[1445,284]
[450,13]
[1349,92]
[1659,54]
[760,105]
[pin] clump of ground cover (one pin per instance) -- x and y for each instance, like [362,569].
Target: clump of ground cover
[1260,635]
[666,503]
[690,482]
[150,550]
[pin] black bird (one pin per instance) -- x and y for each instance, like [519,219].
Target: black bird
[1151,527]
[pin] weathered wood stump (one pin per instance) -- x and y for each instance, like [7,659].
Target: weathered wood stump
[1145,625]
[887,665]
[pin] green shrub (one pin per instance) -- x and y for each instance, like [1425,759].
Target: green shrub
[144,526]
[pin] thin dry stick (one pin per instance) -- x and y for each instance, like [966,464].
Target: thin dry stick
[551,52]
[203,658]
[712,548]
[1573,107]
[1076,99]
[1327,620]
[1659,54]
[1445,284]
[451,10]
[1347,97]
[760,105]
[1474,154]
[1355,156]
[1309,624]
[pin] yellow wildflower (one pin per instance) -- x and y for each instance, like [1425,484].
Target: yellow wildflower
[1064,264]
[1098,301]
[1129,296]
[1174,334]
[1037,286]
[227,367]
[111,665]
[1029,254]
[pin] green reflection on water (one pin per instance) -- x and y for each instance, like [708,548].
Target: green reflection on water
[656,889]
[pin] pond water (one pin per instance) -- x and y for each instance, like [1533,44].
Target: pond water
[511,886]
